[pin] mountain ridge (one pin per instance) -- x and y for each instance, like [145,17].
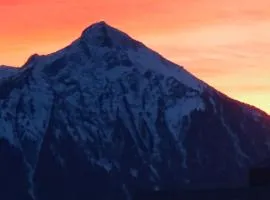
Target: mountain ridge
[97,26]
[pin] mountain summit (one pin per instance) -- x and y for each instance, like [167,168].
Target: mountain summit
[106,116]
[102,34]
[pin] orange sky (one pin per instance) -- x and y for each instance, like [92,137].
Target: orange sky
[224,42]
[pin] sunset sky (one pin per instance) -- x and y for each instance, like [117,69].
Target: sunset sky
[223,42]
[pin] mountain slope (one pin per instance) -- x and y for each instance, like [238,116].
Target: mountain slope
[106,116]
[6,71]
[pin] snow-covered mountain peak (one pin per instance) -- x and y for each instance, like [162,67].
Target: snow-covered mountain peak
[108,54]
[103,35]
[108,111]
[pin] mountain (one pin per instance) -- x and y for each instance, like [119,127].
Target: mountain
[106,116]
[6,71]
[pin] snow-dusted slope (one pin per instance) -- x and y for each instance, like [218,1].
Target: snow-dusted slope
[107,115]
[6,71]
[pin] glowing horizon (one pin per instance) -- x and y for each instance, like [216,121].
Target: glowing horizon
[224,43]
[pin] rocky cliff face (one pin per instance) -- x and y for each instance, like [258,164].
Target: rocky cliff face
[106,116]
